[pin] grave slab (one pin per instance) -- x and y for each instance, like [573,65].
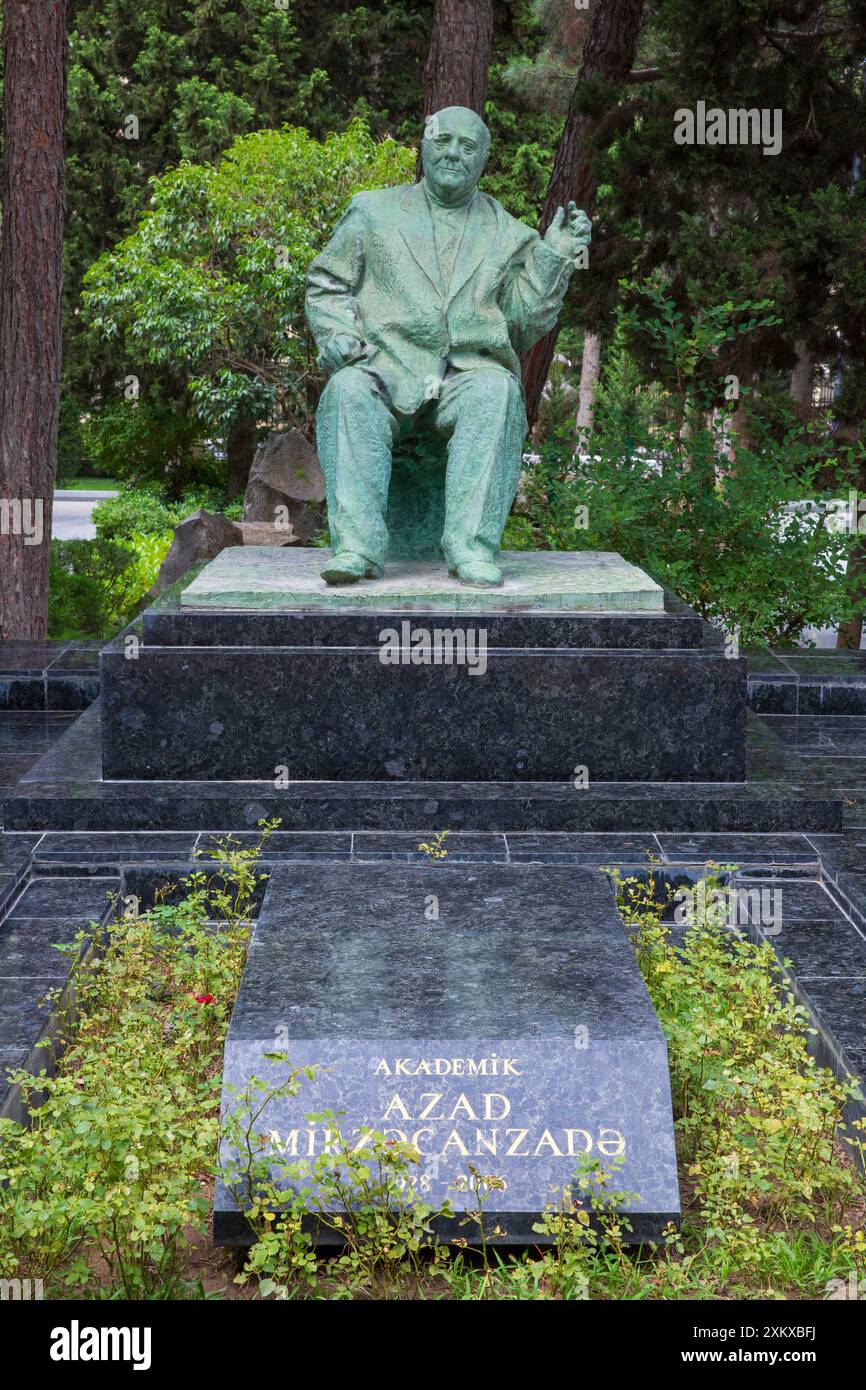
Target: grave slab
[510,1029]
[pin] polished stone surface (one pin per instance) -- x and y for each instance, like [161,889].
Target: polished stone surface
[822,683]
[336,713]
[794,901]
[180,710]
[53,899]
[64,790]
[829,950]
[12,768]
[165,624]
[31,732]
[351,968]
[756,849]
[29,949]
[459,848]
[48,675]
[835,735]
[838,1006]
[288,577]
[552,847]
[47,913]
[129,847]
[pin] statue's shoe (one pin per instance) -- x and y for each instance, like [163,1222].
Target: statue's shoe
[348,568]
[478,572]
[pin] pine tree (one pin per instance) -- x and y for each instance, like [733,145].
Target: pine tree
[31,268]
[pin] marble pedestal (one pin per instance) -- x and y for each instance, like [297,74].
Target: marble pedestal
[577,668]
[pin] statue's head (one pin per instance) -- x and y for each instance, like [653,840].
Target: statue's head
[454,152]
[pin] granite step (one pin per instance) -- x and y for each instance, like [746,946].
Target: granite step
[820,682]
[64,790]
[34,994]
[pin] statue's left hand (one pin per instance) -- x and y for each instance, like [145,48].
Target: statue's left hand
[568,231]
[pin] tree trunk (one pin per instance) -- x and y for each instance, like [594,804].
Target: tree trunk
[801,380]
[850,634]
[459,58]
[589,370]
[34,114]
[608,53]
[240,448]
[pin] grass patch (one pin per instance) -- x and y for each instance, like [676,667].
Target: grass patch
[90,485]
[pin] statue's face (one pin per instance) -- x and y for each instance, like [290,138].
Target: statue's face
[453,152]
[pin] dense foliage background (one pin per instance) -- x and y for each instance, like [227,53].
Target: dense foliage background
[211,146]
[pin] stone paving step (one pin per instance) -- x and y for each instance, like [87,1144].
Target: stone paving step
[45,913]
[60,675]
[64,790]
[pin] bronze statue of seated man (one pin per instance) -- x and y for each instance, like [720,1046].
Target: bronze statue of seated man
[419,305]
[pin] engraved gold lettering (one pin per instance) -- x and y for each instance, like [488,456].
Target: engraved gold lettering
[611,1147]
[513,1151]
[426,1113]
[547,1140]
[455,1142]
[463,1107]
[397,1107]
[489,1098]
[416,1141]
[572,1151]
[488,1145]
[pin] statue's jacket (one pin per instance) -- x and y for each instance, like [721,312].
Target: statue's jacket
[378,279]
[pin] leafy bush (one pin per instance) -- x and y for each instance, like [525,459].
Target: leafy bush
[92,587]
[757,1119]
[728,547]
[716,527]
[97,586]
[211,284]
[150,440]
[144,511]
[102,1192]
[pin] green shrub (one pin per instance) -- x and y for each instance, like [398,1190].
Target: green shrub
[97,586]
[144,511]
[727,547]
[758,1121]
[150,440]
[655,486]
[92,588]
[211,283]
[100,1195]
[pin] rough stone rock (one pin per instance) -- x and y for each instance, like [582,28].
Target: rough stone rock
[286,473]
[200,536]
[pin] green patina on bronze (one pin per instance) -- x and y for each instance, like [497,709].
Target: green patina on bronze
[419,305]
[264,578]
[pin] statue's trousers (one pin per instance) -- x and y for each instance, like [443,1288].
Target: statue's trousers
[481,414]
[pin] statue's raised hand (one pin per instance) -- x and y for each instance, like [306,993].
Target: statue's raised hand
[568,231]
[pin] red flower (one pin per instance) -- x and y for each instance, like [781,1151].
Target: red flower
[204,999]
